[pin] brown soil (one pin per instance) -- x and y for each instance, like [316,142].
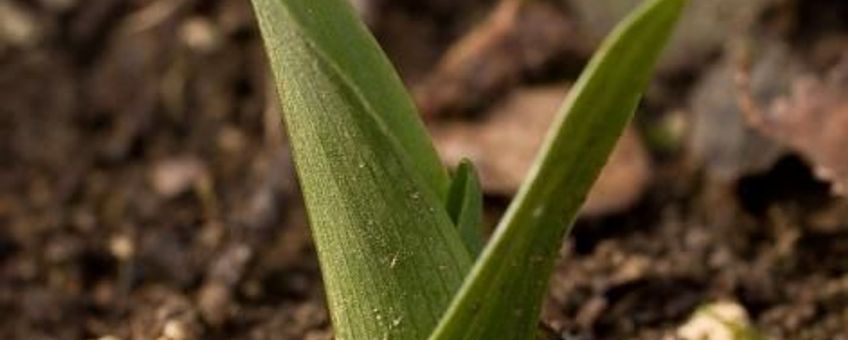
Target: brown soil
[146,190]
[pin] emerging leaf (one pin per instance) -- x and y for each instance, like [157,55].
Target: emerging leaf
[465,206]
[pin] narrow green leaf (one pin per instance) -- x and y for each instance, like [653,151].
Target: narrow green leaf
[501,297]
[465,206]
[390,256]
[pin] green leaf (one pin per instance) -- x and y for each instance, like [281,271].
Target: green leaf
[501,297]
[390,256]
[334,35]
[465,206]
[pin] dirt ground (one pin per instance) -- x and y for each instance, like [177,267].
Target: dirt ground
[146,190]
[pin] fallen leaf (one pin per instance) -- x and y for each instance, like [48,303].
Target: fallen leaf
[812,120]
[505,144]
[705,31]
[517,37]
[721,138]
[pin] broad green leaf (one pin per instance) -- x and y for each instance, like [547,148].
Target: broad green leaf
[390,256]
[501,297]
[335,35]
[465,206]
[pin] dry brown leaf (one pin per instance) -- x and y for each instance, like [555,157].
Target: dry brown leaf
[705,30]
[811,119]
[504,145]
[721,139]
[518,36]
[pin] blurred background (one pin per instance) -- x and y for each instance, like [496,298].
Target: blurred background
[146,187]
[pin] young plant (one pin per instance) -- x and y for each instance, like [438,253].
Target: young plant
[398,237]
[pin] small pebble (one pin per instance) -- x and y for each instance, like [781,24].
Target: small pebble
[718,321]
[122,247]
